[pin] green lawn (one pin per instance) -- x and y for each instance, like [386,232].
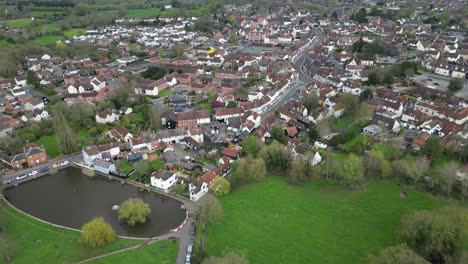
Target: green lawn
[70,33]
[142,13]
[50,144]
[343,122]
[19,23]
[273,222]
[48,39]
[356,140]
[164,93]
[57,245]
[160,252]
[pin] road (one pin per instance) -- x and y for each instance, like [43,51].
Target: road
[300,81]
[77,157]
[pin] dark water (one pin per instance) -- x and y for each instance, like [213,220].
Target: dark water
[71,199]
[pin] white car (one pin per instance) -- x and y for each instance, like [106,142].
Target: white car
[64,163]
[21,177]
[32,173]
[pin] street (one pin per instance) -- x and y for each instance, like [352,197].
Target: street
[78,157]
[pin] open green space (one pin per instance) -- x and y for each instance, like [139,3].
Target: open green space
[356,140]
[48,39]
[38,242]
[142,13]
[74,32]
[273,222]
[343,122]
[160,252]
[19,23]
[164,93]
[50,144]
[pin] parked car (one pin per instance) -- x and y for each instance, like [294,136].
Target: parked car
[189,249]
[7,181]
[187,258]
[44,170]
[32,173]
[55,166]
[21,177]
[192,229]
[64,163]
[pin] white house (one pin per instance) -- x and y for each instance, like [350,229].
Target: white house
[90,154]
[103,166]
[164,180]
[316,159]
[320,145]
[107,116]
[98,83]
[197,191]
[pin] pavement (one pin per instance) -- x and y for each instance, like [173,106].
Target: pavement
[300,81]
[77,157]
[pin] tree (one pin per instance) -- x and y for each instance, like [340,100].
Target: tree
[210,210]
[449,175]
[375,165]
[277,133]
[251,145]
[97,233]
[249,169]
[311,102]
[400,254]
[277,156]
[350,102]
[416,169]
[231,105]
[134,211]
[388,77]
[32,79]
[373,78]
[433,148]
[230,258]
[119,97]
[352,172]
[221,186]
[365,95]
[463,182]
[432,235]
[65,135]
[455,84]
[154,117]
[154,73]
[313,134]
[178,50]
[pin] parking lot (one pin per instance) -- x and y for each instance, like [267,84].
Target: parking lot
[439,82]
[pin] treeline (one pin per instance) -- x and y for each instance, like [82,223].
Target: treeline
[404,69]
[352,170]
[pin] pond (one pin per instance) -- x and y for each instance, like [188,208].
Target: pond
[69,198]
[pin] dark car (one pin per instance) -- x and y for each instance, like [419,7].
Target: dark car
[44,170]
[192,229]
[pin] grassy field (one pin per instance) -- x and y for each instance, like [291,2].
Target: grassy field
[164,93]
[50,144]
[48,39]
[70,33]
[38,242]
[142,13]
[356,140]
[160,252]
[19,23]
[273,222]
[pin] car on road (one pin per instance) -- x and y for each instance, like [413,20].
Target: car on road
[187,258]
[436,84]
[65,163]
[192,229]
[32,173]
[44,170]
[55,166]
[7,181]
[429,79]
[21,177]
[189,248]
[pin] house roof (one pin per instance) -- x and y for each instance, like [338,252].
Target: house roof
[230,152]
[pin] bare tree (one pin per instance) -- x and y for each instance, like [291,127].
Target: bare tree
[418,168]
[463,178]
[449,175]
